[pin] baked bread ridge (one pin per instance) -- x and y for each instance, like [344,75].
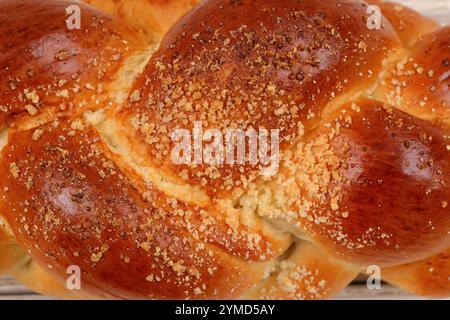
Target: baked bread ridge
[90,183]
[153,17]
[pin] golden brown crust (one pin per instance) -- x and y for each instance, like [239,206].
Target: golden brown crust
[153,17]
[275,69]
[87,177]
[307,273]
[380,149]
[45,67]
[409,24]
[419,84]
[429,277]
[34,277]
[11,254]
[61,209]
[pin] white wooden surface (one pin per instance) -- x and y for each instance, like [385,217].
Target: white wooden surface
[439,9]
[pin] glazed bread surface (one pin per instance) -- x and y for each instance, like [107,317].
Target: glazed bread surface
[86,163]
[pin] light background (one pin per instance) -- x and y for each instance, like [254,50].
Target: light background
[440,10]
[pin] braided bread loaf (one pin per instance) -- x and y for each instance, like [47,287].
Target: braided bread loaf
[88,179]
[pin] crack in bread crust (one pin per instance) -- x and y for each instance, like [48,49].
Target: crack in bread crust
[128,155]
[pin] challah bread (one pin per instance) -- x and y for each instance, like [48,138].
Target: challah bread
[427,277]
[88,177]
[153,18]
[409,24]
